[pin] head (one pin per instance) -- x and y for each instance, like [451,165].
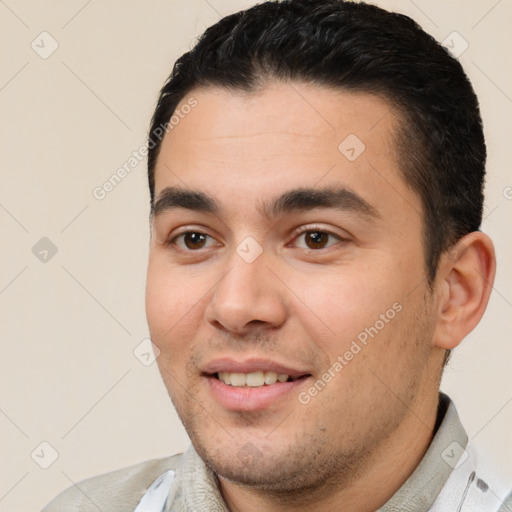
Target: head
[349,129]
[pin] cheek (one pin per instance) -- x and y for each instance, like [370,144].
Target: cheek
[169,300]
[159,300]
[347,301]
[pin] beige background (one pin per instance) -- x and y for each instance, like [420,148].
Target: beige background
[70,325]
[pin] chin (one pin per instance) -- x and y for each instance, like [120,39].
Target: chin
[260,474]
[272,467]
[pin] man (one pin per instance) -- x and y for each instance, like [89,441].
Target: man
[316,174]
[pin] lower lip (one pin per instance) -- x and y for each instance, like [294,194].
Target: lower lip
[249,398]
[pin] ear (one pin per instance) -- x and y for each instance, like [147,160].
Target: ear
[464,283]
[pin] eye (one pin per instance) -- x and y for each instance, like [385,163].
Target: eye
[318,239]
[191,240]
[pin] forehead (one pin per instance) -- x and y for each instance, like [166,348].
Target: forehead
[313,115]
[284,136]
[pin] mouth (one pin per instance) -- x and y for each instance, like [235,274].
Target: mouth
[253,385]
[255,379]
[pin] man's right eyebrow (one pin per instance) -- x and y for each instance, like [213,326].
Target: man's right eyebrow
[174,197]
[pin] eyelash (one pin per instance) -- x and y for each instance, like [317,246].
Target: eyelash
[308,229]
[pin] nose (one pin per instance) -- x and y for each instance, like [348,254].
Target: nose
[247,295]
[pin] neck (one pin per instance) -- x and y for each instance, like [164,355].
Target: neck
[384,471]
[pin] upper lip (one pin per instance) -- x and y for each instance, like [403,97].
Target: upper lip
[227,364]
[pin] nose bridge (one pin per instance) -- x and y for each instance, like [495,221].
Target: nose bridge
[247,291]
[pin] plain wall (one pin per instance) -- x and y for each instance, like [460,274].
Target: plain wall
[70,325]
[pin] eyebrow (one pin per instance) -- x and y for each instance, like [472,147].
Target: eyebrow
[298,199]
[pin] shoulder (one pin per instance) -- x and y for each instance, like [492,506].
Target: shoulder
[116,491]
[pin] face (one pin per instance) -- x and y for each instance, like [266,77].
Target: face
[294,327]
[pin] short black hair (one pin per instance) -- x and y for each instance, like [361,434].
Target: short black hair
[356,47]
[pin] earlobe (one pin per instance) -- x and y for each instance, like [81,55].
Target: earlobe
[465,278]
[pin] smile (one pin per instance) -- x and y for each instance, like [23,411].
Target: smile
[253,379]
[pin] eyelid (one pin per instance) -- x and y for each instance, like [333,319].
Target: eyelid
[170,240]
[316,227]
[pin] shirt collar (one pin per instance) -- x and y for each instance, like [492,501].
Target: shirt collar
[420,490]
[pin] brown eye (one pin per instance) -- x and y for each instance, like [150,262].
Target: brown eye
[190,240]
[194,240]
[316,239]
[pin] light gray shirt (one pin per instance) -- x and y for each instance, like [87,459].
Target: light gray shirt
[450,477]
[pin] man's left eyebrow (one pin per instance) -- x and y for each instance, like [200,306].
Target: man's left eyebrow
[339,198]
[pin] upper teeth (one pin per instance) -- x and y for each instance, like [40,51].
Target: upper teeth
[253,379]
